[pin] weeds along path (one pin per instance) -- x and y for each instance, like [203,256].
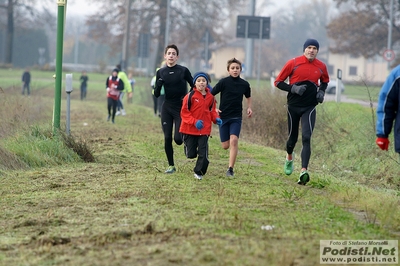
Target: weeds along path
[123,210]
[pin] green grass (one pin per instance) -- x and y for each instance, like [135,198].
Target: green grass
[362,92]
[123,210]
[38,149]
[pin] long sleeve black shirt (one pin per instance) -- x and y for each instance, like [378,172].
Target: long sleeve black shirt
[231,99]
[175,79]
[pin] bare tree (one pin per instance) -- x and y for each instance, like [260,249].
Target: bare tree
[19,12]
[188,21]
[362,30]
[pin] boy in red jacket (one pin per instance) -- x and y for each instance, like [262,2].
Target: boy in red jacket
[197,113]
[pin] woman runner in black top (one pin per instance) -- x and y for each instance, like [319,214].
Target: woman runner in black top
[174,78]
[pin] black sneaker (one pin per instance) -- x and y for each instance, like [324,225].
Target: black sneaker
[229,172]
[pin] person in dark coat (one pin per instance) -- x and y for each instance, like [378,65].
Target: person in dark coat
[26,80]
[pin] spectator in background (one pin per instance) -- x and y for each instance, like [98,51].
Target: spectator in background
[155,99]
[157,102]
[26,80]
[388,111]
[127,89]
[83,79]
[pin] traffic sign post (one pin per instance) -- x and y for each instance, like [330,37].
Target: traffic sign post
[252,27]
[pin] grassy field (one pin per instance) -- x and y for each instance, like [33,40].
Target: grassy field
[123,210]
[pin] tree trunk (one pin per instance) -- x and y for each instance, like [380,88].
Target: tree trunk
[10,32]
[162,35]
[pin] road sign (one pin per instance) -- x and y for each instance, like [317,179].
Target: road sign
[388,55]
[253,27]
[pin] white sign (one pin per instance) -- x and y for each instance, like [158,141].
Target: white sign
[388,55]
[359,252]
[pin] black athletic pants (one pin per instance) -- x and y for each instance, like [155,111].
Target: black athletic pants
[307,116]
[112,104]
[170,115]
[155,104]
[197,146]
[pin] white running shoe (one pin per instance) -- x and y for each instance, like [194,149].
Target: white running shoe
[118,113]
[123,112]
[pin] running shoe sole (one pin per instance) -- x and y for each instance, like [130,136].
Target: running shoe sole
[304,178]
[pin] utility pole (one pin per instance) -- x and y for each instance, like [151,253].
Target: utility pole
[206,49]
[250,46]
[389,44]
[59,59]
[125,43]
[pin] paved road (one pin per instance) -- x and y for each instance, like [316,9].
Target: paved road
[343,98]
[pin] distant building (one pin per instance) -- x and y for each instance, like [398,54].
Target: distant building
[358,69]
[354,69]
[220,57]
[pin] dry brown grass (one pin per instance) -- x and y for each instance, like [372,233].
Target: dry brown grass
[268,125]
[17,113]
[79,146]
[10,161]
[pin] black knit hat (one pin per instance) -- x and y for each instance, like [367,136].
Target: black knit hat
[115,70]
[312,42]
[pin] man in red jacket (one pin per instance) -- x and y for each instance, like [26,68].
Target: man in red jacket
[197,113]
[308,79]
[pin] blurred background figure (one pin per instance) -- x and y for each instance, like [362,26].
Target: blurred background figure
[26,80]
[83,79]
[132,81]
[157,102]
[114,86]
[127,89]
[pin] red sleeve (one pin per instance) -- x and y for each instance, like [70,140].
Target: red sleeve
[325,76]
[285,72]
[186,115]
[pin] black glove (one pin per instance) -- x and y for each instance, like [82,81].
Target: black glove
[298,89]
[159,83]
[320,96]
